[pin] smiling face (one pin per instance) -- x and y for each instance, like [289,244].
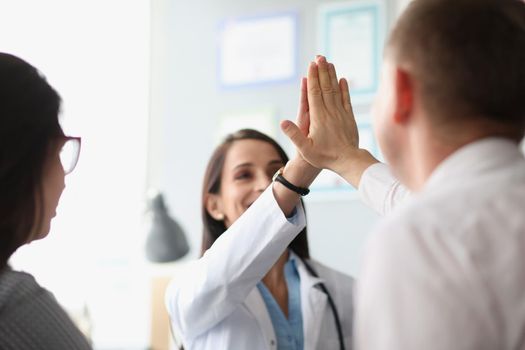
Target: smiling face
[248,169]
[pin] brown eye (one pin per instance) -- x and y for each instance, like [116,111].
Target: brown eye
[242,175]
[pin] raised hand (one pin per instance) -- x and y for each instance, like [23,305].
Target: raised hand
[303,113]
[332,141]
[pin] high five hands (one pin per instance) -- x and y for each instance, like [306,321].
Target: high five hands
[326,135]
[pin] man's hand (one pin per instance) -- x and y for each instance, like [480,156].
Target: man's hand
[332,141]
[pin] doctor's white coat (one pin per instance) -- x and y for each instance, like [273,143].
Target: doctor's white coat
[215,303]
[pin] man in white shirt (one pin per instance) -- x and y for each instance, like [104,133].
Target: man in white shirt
[446,270]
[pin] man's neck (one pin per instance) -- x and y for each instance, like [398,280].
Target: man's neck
[430,150]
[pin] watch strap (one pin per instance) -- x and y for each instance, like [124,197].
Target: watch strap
[299,190]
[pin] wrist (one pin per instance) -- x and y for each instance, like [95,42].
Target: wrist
[354,164]
[300,172]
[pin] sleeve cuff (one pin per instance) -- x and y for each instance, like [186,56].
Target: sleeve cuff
[379,189]
[294,217]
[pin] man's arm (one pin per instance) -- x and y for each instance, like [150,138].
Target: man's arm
[380,190]
[327,137]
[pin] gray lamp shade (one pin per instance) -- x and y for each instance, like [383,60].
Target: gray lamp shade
[165,240]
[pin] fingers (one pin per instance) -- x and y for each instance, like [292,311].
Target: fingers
[315,98]
[345,95]
[303,117]
[304,91]
[295,135]
[324,75]
[333,77]
[303,99]
[325,82]
[335,86]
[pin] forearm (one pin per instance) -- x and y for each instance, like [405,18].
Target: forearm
[298,172]
[210,288]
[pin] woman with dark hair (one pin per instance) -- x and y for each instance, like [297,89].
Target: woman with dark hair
[35,155]
[214,227]
[254,286]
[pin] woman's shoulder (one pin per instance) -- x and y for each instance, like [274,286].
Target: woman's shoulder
[19,289]
[16,286]
[25,305]
[9,276]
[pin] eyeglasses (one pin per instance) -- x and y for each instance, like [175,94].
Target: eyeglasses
[69,153]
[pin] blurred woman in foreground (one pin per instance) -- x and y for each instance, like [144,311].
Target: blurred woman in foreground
[35,156]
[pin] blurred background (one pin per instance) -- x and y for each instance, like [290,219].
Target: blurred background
[151,87]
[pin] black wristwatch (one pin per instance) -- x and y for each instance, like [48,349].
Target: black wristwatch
[280,178]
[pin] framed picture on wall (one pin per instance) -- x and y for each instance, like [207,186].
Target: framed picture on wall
[257,50]
[351,35]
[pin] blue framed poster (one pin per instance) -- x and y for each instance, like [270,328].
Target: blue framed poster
[351,36]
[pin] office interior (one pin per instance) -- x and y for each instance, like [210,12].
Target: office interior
[141,84]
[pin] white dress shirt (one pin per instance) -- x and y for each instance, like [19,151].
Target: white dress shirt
[380,190]
[447,269]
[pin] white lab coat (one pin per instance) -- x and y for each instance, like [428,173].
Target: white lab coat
[215,303]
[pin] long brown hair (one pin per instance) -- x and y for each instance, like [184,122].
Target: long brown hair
[29,125]
[212,228]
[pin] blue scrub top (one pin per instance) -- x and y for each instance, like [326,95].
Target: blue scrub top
[289,331]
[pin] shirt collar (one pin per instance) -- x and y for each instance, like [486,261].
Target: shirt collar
[308,279]
[473,159]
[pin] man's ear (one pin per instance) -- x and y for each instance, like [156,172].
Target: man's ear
[404,95]
[214,206]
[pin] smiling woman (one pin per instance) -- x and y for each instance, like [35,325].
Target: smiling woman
[239,170]
[255,285]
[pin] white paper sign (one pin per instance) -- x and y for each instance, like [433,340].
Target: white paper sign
[258,50]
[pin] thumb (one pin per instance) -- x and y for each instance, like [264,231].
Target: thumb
[295,135]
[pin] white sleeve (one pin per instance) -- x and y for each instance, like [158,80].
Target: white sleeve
[410,298]
[211,287]
[380,190]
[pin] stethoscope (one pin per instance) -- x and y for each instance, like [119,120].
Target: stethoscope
[330,302]
[323,288]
